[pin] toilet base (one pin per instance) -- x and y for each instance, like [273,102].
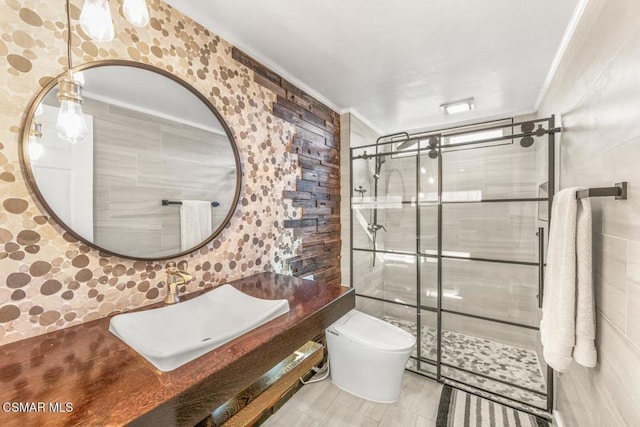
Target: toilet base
[366,373]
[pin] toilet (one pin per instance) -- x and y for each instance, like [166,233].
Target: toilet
[367,356]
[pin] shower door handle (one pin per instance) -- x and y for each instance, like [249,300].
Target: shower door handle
[540,235]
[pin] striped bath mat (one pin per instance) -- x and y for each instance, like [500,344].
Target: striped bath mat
[460,409]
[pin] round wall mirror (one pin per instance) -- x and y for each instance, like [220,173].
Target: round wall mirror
[155,172]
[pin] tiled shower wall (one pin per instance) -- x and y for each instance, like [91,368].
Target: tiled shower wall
[596,92]
[50,281]
[353,133]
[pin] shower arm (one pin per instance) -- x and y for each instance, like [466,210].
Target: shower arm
[391,136]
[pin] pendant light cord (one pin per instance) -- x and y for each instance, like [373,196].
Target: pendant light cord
[69,60]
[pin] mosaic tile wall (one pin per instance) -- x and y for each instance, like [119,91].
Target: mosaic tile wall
[49,281]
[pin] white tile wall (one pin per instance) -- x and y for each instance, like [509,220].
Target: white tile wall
[596,92]
[353,133]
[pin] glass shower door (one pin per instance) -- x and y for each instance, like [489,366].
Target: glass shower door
[446,245]
[489,268]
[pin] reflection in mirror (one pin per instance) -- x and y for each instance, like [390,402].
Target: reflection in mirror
[149,139]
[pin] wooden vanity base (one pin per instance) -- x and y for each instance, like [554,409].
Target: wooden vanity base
[255,403]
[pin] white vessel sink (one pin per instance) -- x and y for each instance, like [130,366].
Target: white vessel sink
[171,336]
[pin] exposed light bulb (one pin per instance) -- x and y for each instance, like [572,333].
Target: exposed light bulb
[95,20]
[71,125]
[136,12]
[36,150]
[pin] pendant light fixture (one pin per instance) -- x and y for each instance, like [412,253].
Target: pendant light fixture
[36,150]
[136,12]
[71,125]
[96,20]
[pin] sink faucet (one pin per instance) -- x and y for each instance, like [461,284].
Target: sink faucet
[176,276]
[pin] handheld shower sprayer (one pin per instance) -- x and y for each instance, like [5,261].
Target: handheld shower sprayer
[379,161]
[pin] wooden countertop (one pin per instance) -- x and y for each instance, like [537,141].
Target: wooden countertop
[108,383]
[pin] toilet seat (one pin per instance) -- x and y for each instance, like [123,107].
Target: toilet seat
[374,333]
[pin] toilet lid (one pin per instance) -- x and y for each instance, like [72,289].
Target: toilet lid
[375,333]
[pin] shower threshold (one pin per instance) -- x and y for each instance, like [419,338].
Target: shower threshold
[482,366]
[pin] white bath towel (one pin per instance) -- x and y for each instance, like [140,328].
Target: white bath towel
[584,351]
[195,223]
[567,328]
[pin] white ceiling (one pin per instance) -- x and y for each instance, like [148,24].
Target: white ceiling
[394,62]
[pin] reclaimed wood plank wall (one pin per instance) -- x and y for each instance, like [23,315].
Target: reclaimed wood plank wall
[317,193]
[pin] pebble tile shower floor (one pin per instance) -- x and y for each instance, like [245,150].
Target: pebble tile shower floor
[504,362]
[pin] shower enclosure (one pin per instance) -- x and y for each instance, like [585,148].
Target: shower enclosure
[447,242]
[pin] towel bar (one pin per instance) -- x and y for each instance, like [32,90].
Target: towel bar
[169,202]
[619,191]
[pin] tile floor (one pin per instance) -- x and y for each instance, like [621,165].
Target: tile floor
[324,405]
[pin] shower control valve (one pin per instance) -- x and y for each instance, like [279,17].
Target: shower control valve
[360,190]
[375,227]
